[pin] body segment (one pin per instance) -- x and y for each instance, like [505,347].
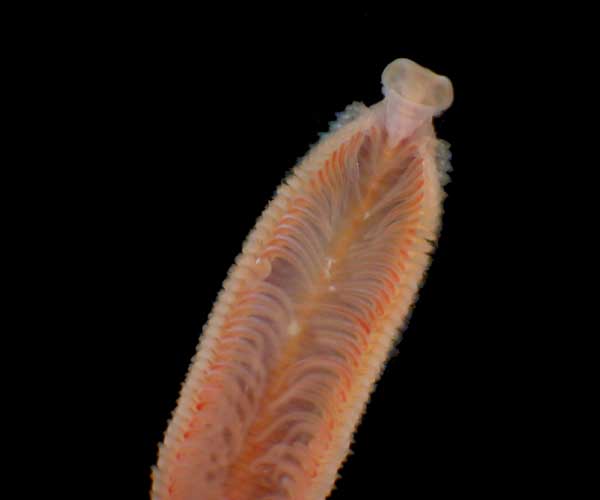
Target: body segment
[309,311]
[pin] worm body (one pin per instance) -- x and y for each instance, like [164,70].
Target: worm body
[310,309]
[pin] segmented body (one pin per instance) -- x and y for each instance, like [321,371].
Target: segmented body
[306,319]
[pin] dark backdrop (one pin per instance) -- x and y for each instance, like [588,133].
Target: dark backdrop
[198,120]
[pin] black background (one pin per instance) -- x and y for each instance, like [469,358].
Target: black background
[195,121]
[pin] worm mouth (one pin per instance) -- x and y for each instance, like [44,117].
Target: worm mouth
[418,85]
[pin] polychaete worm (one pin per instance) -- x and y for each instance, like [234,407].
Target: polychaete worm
[312,306]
